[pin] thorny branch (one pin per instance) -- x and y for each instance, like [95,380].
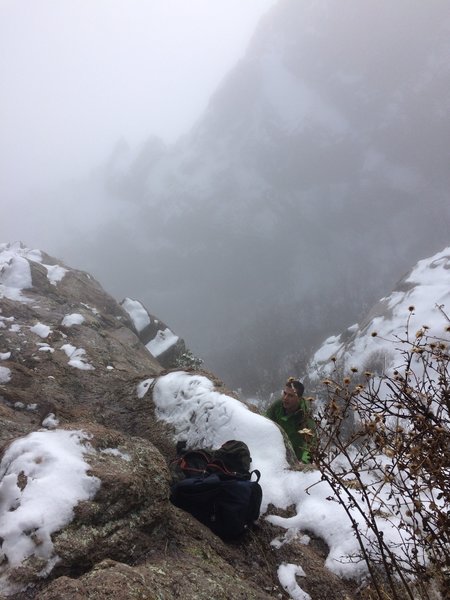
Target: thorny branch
[394,466]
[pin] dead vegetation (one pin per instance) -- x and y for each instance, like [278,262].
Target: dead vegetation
[394,468]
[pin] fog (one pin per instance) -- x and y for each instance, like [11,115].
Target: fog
[257,192]
[79,75]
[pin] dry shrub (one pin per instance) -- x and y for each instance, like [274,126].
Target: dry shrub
[394,467]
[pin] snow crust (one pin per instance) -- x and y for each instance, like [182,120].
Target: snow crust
[287,576]
[118,453]
[137,313]
[5,375]
[163,340]
[72,319]
[77,358]
[50,421]
[41,330]
[15,271]
[142,387]
[55,273]
[422,301]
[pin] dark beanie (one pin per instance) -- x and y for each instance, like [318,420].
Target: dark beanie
[296,385]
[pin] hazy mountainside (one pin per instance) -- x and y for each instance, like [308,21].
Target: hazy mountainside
[317,175]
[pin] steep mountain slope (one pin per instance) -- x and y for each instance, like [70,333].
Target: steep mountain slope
[323,157]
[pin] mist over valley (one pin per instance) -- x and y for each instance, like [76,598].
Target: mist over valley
[314,179]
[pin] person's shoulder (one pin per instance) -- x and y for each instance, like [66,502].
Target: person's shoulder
[276,402]
[274,406]
[302,405]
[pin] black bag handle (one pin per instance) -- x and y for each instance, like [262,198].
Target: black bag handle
[257,473]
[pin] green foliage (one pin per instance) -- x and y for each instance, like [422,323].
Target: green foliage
[187,360]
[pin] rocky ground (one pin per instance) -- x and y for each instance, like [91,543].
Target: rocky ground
[128,541]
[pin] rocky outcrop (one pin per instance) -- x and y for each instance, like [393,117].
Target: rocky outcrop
[71,351]
[84,459]
[156,336]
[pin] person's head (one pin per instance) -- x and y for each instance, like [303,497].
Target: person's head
[293,391]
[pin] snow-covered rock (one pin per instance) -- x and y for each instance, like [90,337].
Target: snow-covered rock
[419,304]
[158,338]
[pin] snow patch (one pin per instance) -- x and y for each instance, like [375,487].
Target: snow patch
[76,357]
[15,271]
[163,340]
[137,313]
[5,375]
[43,476]
[50,421]
[41,330]
[142,388]
[72,319]
[287,574]
[55,273]
[203,417]
[45,348]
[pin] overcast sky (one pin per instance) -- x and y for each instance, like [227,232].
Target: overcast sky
[77,75]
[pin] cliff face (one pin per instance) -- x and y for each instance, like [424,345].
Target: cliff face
[84,481]
[312,182]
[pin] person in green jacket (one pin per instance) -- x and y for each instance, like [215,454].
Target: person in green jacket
[292,413]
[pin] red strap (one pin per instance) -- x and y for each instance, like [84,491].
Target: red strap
[184,465]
